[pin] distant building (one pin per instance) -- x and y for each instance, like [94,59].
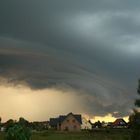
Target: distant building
[69,122]
[2,129]
[105,124]
[119,123]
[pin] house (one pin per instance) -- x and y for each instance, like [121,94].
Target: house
[69,122]
[119,123]
[2,129]
[86,124]
[53,123]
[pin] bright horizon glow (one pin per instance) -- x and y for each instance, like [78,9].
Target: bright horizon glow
[108,118]
[40,105]
[35,105]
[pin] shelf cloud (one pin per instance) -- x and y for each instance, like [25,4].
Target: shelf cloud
[86,48]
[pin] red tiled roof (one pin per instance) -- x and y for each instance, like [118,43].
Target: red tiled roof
[119,122]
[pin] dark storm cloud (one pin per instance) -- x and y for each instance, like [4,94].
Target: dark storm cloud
[90,46]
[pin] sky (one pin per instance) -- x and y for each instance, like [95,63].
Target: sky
[67,56]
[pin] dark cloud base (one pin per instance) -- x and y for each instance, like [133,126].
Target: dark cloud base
[91,47]
[63,71]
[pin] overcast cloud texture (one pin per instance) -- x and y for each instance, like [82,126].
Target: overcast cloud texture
[91,47]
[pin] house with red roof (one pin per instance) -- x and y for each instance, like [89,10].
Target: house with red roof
[119,123]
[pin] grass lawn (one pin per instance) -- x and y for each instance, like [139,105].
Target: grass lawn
[97,135]
[1,136]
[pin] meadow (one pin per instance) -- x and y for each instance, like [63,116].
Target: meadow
[95,135]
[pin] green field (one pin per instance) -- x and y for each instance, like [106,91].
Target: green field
[96,135]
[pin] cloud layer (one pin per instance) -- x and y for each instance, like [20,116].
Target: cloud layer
[90,47]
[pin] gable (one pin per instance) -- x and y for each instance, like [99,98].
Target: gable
[119,122]
[70,116]
[75,117]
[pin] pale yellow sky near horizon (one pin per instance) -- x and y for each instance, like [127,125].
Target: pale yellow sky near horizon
[40,105]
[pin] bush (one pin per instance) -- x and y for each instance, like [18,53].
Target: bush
[18,132]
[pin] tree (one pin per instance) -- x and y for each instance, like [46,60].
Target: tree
[135,119]
[98,124]
[137,102]
[9,123]
[23,122]
[16,133]
[25,126]
[19,131]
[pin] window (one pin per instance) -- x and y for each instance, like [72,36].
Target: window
[66,128]
[74,126]
[73,121]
